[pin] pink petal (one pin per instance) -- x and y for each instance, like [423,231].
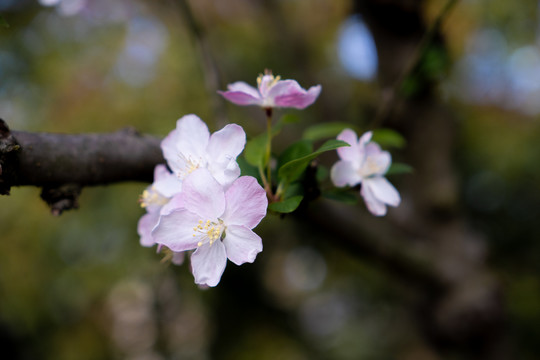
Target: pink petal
[208,263]
[193,137]
[175,203]
[365,138]
[267,82]
[144,228]
[161,172]
[203,195]
[243,87]
[246,203]
[383,190]
[344,173]
[226,144]
[242,244]
[178,258]
[351,153]
[240,98]
[374,205]
[296,98]
[175,230]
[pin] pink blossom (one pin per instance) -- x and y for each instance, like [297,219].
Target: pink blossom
[217,222]
[271,92]
[364,162]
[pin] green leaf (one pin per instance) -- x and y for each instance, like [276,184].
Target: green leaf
[289,119]
[345,196]
[246,168]
[326,130]
[399,168]
[294,151]
[255,151]
[388,138]
[287,205]
[291,170]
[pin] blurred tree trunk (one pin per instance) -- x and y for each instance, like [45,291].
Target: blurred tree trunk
[466,313]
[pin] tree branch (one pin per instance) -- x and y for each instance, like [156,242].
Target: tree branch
[62,164]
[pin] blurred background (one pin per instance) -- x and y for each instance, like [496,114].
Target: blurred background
[453,273]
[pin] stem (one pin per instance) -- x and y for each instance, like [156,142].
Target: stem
[269,150]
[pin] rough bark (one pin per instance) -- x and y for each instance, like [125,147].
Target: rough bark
[63,164]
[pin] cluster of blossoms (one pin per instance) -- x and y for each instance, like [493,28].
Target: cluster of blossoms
[365,163]
[203,204]
[200,203]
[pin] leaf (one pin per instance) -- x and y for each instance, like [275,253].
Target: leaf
[289,119]
[388,138]
[287,205]
[326,130]
[294,168]
[246,168]
[294,151]
[399,168]
[344,196]
[255,151]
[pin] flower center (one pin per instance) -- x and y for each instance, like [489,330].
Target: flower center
[191,165]
[209,231]
[152,197]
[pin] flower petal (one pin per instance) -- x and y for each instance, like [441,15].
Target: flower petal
[242,244]
[345,173]
[293,95]
[240,93]
[203,195]
[175,203]
[175,230]
[241,86]
[225,172]
[178,257]
[170,151]
[161,172]
[383,190]
[226,144]
[350,153]
[144,228]
[208,263]
[192,138]
[374,205]
[168,186]
[246,203]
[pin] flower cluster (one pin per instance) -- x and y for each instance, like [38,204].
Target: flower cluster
[365,163]
[203,204]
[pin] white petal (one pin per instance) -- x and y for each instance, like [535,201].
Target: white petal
[226,144]
[242,244]
[374,205]
[144,228]
[170,151]
[161,172]
[350,153]
[376,163]
[383,190]
[225,173]
[203,195]
[246,203]
[193,136]
[175,230]
[168,186]
[178,257]
[208,263]
[344,173]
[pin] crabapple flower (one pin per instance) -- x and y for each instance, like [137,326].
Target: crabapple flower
[215,221]
[190,146]
[271,92]
[365,163]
